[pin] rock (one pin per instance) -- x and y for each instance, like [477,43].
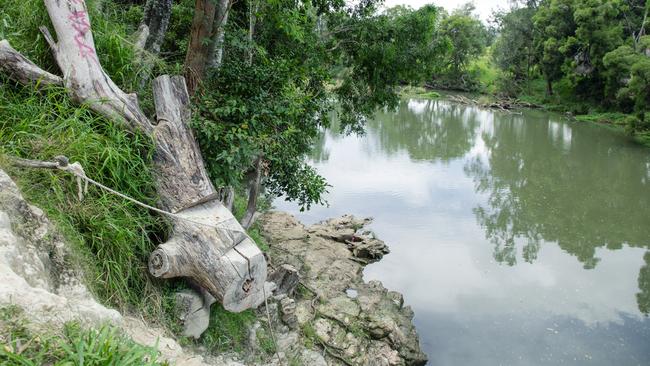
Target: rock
[36,275]
[396,298]
[170,350]
[193,310]
[347,230]
[323,327]
[287,342]
[382,355]
[371,327]
[303,312]
[312,358]
[341,308]
[288,312]
[286,278]
[33,271]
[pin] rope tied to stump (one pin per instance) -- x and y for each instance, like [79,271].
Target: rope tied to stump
[61,162]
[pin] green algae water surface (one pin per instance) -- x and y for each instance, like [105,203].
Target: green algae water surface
[516,239]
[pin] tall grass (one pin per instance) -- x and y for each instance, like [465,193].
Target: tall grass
[113,236]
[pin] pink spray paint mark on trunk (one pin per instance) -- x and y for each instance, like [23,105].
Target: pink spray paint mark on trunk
[81,25]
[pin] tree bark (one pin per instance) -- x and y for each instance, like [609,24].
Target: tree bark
[549,87]
[156,18]
[227,197]
[199,48]
[253,194]
[84,77]
[220,22]
[198,250]
[17,67]
[252,18]
[207,245]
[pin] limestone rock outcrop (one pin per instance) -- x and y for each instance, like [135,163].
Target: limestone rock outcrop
[355,322]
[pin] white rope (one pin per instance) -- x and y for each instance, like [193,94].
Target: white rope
[61,163]
[268,319]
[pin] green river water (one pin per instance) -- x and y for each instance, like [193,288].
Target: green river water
[516,239]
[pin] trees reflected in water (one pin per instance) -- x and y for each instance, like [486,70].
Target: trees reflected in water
[581,188]
[427,130]
[539,180]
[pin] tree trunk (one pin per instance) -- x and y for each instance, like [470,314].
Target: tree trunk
[198,250]
[252,17]
[199,48]
[227,197]
[549,87]
[84,77]
[253,193]
[156,18]
[207,245]
[220,21]
[21,69]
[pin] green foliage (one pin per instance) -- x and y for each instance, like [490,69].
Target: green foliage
[418,92]
[643,296]
[399,47]
[75,346]
[310,338]
[227,331]
[614,118]
[590,50]
[487,73]
[265,340]
[266,110]
[465,38]
[618,67]
[513,51]
[174,46]
[276,107]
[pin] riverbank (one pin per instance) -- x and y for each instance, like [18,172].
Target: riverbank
[580,112]
[332,317]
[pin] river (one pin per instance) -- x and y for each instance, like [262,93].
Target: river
[516,239]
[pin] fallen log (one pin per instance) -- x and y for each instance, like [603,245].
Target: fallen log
[506,105]
[207,244]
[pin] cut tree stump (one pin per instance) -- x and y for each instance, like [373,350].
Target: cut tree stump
[207,244]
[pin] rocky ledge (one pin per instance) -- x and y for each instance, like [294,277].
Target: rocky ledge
[333,309]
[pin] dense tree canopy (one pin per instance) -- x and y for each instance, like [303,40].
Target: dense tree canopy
[596,49]
[466,37]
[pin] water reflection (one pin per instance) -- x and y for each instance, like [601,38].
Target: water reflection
[427,130]
[481,209]
[580,192]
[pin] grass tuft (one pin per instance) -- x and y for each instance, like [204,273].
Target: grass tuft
[75,346]
[228,332]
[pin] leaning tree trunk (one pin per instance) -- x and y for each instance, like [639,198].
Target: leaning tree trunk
[207,245]
[208,242]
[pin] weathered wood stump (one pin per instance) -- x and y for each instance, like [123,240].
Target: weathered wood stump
[207,244]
